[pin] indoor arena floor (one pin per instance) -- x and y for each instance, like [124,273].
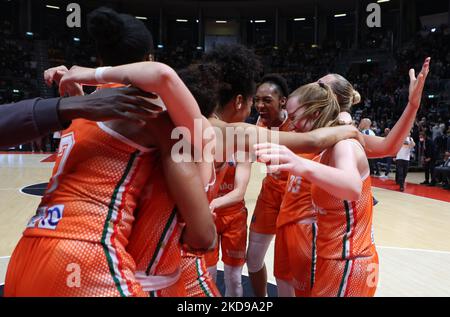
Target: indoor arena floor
[412,229]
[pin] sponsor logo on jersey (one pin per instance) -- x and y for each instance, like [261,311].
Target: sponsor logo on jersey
[47,217]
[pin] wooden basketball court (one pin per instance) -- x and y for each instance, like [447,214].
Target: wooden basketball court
[412,233]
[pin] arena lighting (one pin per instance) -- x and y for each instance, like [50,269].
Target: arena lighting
[141,18]
[160,46]
[299,19]
[52,7]
[76,39]
[199,48]
[340,15]
[16,91]
[181,20]
[251,21]
[260,21]
[369,60]
[381,1]
[196,21]
[29,33]
[433,30]
[221,21]
[431,96]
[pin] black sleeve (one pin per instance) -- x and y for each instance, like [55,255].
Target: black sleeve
[27,120]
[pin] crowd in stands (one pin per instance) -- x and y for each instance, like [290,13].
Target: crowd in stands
[384,89]
[17,65]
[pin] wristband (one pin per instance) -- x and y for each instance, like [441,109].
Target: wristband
[99,74]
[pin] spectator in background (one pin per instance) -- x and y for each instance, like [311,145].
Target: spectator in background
[364,127]
[402,161]
[388,160]
[442,172]
[427,155]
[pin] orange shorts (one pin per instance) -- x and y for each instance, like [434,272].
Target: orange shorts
[232,238]
[197,280]
[53,267]
[295,256]
[346,278]
[266,211]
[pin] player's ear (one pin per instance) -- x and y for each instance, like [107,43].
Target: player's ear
[238,102]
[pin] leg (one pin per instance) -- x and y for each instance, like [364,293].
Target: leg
[213,271]
[257,249]
[285,289]
[233,281]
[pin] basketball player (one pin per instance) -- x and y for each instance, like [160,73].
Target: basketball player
[296,226]
[239,68]
[270,101]
[346,249]
[379,147]
[231,226]
[100,169]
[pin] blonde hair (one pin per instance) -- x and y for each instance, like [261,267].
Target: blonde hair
[346,95]
[318,98]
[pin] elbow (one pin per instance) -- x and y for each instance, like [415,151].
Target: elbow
[166,74]
[204,240]
[355,192]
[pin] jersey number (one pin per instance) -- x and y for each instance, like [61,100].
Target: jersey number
[66,145]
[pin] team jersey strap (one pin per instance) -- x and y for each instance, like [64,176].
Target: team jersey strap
[152,283]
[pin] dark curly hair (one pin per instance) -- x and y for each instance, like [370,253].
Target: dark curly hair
[278,81]
[119,38]
[241,69]
[204,82]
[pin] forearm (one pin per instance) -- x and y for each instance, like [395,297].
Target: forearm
[377,147]
[27,120]
[162,80]
[310,142]
[317,140]
[348,186]
[230,199]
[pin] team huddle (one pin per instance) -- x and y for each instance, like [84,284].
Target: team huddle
[121,217]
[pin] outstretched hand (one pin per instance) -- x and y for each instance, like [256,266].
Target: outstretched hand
[416,84]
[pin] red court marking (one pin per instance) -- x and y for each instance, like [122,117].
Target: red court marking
[418,190]
[49,159]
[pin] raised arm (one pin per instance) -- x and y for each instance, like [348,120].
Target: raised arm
[150,77]
[343,180]
[390,145]
[241,179]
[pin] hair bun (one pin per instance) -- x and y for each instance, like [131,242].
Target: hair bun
[356,98]
[105,25]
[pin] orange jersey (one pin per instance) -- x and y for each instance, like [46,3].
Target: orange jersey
[297,201]
[96,182]
[226,186]
[267,206]
[345,227]
[154,241]
[85,217]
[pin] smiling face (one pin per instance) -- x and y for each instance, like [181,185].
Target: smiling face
[299,123]
[269,104]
